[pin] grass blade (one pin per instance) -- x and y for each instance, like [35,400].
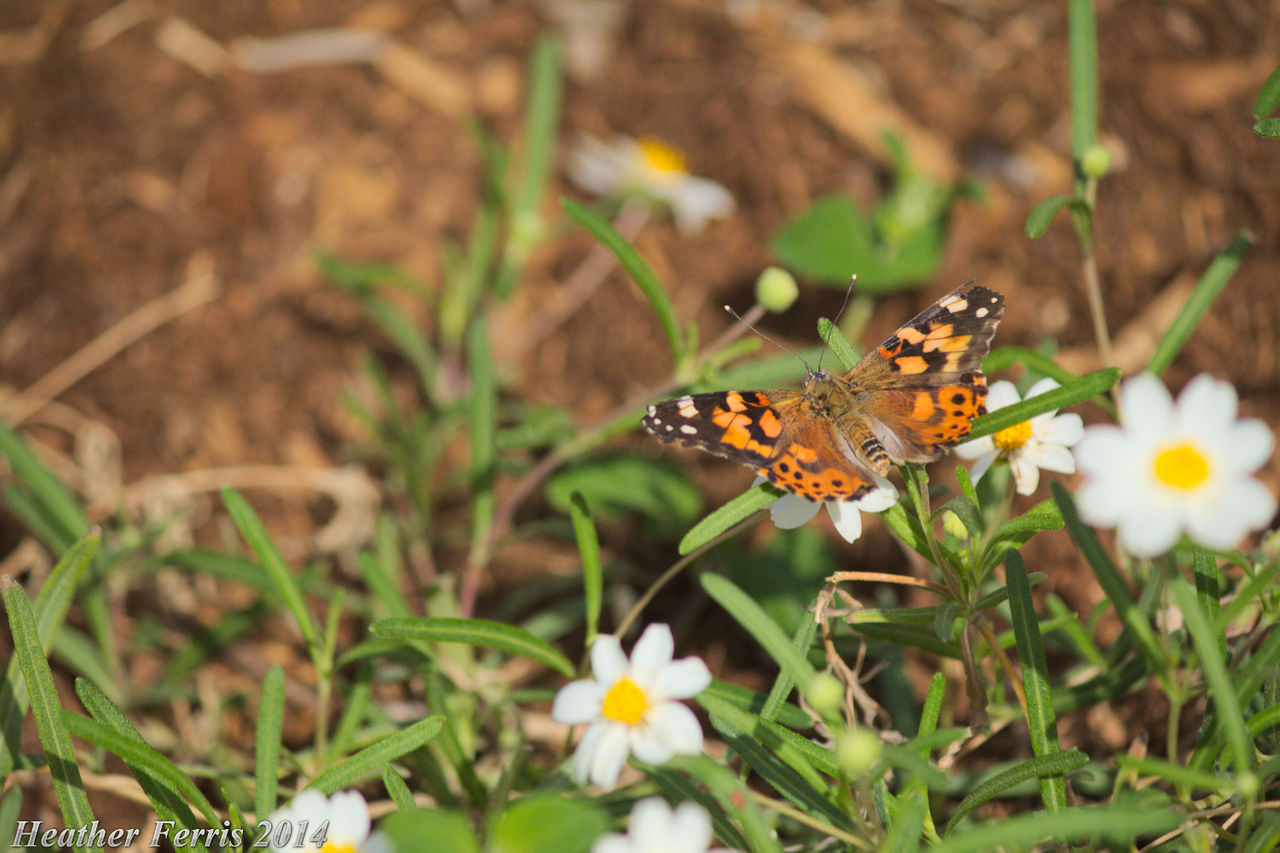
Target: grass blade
[57,505]
[54,737]
[1035,679]
[584,530]
[475,632]
[377,755]
[639,269]
[725,517]
[1199,302]
[1076,391]
[1176,774]
[254,533]
[1042,766]
[1118,825]
[266,747]
[751,616]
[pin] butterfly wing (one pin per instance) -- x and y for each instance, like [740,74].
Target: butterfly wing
[920,390]
[774,432]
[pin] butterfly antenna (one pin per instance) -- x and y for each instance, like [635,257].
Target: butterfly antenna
[738,317]
[843,305]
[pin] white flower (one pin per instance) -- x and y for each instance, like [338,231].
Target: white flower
[1176,467]
[650,168]
[346,814]
[655,828]
[791,511]
[1041,442]
[629,706]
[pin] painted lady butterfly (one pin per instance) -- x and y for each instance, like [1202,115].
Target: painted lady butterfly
[907,400]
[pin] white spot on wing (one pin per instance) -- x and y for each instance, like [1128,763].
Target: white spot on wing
[981,312]
[687,429]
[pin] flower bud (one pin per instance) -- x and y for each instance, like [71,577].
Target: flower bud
[776,289]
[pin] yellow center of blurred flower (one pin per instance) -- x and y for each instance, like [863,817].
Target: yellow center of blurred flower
[625,702]
[1182,466]
[661,157]
[330,847]
[1012,438]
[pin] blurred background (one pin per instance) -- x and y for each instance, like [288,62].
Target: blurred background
[183,178]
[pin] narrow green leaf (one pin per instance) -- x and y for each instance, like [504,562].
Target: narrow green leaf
[840,346]
[542,119]
[752,702]
[1109,578]
[1035,678]
[51,606]
[1214,667]
[253,531]
[966,485]
[1041,216]
[266,747]
[54,737]
[166,798]
[10,806]
[751,616]
[584,530]
[1087,386]
[397,789]
[725,517]
[909,761]
[1199,302]
[1177,774]
[733,798]
[966,510]
[475,632]
[1082,45]
[1268,128]
[137,752]
[1268,96]
[907,528]
[374,757]
[1042,767]
[634,264]
[1116,824]
[775,705]
[484,426]
[56,503]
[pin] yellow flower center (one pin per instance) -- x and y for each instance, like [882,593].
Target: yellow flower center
[1012,438]
[661,157]
[1182,466]
[625,702]
[330,847]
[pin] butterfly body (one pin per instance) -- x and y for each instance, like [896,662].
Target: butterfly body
[908,400]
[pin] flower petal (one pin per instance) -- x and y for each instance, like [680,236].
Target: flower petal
[1056,458]
[1065,429]
[379,842]
[1026,476]
[651,824]
[1146,409]
[846,518]
[1000,394]
[652,652]
[692,825]
[975,449]
[614,842]
[1042,387]
[682,679]
[608,663]
[610,756]
[587,749]
[1148,529]
[349,818]
[791,511]
[695,200]
[578,702]
[982,465]
[1251,443]
[677,727]
[882,496]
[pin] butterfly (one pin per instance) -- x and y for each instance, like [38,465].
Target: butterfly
[907,400]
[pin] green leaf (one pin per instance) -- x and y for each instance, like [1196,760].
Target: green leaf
[766,632]
[840,346]
[725,517]
[541,122]
[55,739]
[640,271]
[374,757]
[1268,96]
[620,483]
[448,832]
[733,798]
[1082,46]
[251,528]
[1040,217]
[484,425]
[10,806]
[1116,824]
[54,502]
[1268,128]
[746,699]
[1214,668]
[266,747]
[1199,302]
[775,705]
[1041,767]
[397,789]
[966,509]
[1077,391]
[475,632]
[1177,774]
[547,824]
[825,241]
[592,572]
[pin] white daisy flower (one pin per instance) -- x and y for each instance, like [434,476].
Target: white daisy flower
[630,706]
[653,169]
[314,823]
[1041,442]
[791,511]
[1175,467]
[654,827]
